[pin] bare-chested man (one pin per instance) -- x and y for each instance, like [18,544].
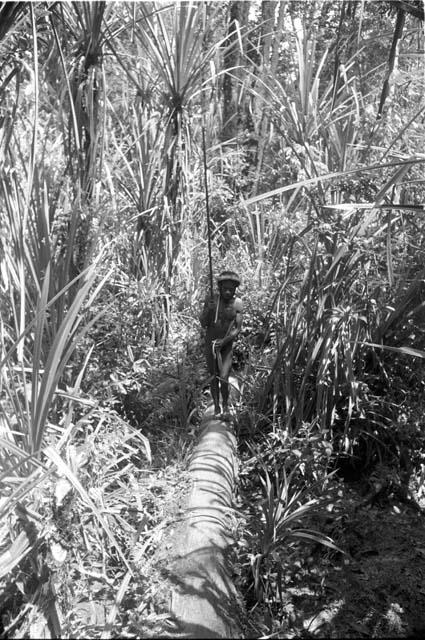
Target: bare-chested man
[222,319]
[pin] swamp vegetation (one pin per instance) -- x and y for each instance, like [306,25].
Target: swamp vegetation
[313,115]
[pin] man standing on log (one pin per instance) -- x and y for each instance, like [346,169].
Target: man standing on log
[222,319]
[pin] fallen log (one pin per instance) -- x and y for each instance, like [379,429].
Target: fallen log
[204,601]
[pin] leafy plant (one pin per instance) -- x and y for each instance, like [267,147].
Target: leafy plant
[295,490]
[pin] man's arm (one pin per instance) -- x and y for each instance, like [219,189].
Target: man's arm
[237,324]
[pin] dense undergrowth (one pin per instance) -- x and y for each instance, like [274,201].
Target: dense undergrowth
[306,484]
[97,521]
[102,512]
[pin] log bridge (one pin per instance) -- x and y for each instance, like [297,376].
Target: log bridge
[204,602]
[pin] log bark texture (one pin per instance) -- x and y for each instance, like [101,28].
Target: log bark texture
[204,600]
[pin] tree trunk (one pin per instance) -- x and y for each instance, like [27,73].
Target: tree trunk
[204,600]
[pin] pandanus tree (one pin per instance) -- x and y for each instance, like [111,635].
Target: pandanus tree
[43,303]
[355,287]
[79,34]
[172,61]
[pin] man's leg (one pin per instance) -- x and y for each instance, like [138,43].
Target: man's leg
[226,355]
[212,370]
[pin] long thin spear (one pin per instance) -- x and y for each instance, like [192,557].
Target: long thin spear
[207,205]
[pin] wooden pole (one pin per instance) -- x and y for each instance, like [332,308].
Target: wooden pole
[207,205]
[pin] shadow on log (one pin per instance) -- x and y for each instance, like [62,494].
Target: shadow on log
[204,600]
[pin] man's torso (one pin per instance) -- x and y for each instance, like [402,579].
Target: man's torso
[224,318]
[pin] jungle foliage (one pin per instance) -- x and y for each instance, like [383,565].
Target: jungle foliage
[313,115]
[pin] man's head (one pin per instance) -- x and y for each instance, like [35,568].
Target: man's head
[227,283]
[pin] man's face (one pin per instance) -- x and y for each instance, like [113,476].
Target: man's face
[227,289]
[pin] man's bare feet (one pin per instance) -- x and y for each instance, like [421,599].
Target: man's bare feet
[226,412]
